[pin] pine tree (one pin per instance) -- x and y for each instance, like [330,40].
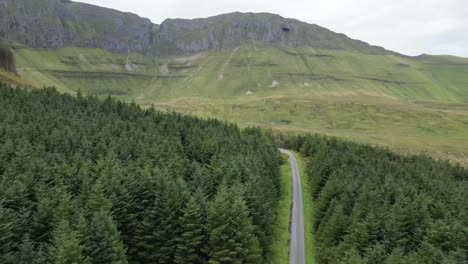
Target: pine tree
[66,248]
[97,200]
[251,251]
[27,251]
[124,209]
[65,209]
[376,254]
[261,204]
[358,236]
[169,206]
[220,247]
[231,232]
[427,253]
[143,192]
[103,243]
[81,228]
[192,227]
[42,224]
[353,257]
[397,257]
[331,231]
[7,238]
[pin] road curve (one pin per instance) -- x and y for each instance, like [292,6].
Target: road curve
[296,242]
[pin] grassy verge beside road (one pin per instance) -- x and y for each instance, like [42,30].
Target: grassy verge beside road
[308,212]
[278,252]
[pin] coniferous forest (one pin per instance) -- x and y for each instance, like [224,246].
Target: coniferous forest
[373,206]
[85,180]
[100,181]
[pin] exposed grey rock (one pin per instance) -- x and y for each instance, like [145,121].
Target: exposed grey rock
[61,23]
[274,84]
[55,24]
[227,31]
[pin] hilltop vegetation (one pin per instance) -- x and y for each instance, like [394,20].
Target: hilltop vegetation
[373,206]
[100,181]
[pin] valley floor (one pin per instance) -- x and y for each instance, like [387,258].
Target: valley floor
[411,105]
[436,129]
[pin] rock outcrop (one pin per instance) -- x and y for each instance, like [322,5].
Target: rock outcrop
[226,31]
[61,23]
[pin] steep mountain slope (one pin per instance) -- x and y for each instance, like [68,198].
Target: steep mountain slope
[62,23]
[274,70]
[255,69]
[181,36]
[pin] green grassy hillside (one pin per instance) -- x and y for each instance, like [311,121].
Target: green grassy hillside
[415,104]
[94,71]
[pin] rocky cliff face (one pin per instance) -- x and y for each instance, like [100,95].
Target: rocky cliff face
[230,30]
[60,23]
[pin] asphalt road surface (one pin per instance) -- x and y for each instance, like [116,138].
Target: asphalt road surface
[296,243]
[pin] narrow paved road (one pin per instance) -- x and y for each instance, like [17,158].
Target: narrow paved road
[296,244]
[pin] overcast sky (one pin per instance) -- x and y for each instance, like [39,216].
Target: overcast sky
[410,27]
